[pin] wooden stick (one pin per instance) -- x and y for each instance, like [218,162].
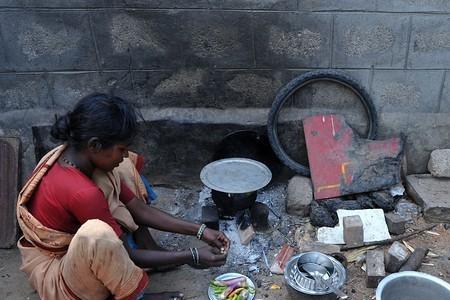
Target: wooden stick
[391,240]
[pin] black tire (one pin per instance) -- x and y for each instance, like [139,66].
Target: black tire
[299,82]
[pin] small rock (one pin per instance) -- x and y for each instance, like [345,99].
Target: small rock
[353,231]
[395,223]
[407,210]
[375,268]
[299,196]
[396,256]
[439,163]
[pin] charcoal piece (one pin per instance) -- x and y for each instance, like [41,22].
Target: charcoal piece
[383,200]
[320,216]
[365,202]
[338,203]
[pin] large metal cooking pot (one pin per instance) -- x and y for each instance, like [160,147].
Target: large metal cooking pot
[410,285]
[234,182]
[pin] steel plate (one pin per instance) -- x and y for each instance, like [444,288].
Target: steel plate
[228,276]
[236,175]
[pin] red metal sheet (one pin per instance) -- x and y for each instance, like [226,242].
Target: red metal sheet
[341,163]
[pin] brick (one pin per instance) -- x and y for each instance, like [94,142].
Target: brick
[24,91]
[215,4]
[353,231]
[432,195]
[370,40]
[167,39]
[294,40]
[396,257]
[406,91]
[413,6]
[341,5]
[47,40]
[430,42]
[395,223]
[210,217]
[374,267]
[9,185]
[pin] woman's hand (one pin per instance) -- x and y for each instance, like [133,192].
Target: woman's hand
[216,239]
[210,256]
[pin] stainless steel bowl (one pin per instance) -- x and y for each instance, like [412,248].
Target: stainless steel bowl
[300,282]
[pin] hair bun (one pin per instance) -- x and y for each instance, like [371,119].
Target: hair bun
[61,128]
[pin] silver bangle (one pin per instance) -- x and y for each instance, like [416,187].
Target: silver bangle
[200,231]
[196,256]
[193,255]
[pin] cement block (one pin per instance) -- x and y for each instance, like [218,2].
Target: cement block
[353,231]
[413,6]
[445,98]
[247,88]
[406,91]
[24,91]
[299,196]
[375,267]
[54,3]
[340,5]
[430,42]
[215,4]
[396,256]
[47,40]
[439,163]
[426,132]
[165,39]
[395,223]
[432,194]
[370,40]
[294,40]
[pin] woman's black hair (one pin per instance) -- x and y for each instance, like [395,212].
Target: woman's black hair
[109,118]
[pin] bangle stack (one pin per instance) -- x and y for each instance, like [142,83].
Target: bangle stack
[195,257]
[200,231]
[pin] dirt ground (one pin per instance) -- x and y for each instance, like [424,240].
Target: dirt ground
[193,283]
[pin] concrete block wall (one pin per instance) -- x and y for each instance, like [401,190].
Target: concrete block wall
[202,61]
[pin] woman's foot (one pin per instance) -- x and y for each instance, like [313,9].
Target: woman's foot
[164,296]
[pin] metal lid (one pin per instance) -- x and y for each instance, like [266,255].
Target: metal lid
[303,284]
[235,175]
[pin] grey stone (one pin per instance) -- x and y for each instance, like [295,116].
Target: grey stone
[370,40]
[292,40]
[374,267]
[216,4]
[340,5]
[396,256]
[395,223]
[415,6]
[353,231]
[299,196]
[47,40]
[164,39]
[439,163]
[407,210]
[432,194]
[430,42]
[24,91]
[406,91]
